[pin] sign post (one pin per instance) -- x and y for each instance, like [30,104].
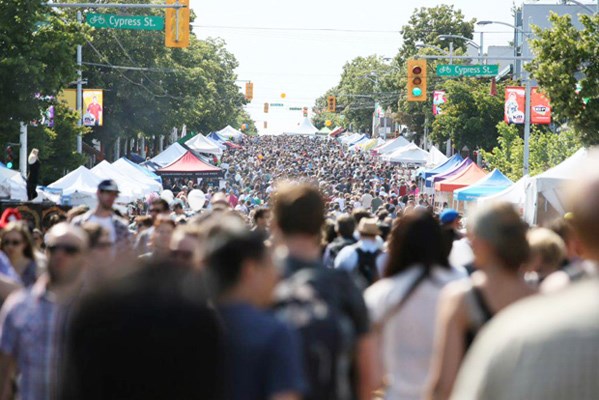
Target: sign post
[452,70]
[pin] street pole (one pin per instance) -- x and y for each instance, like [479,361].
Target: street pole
[23,150]
[79,89]
[481,53]
[527,89]
[450,53]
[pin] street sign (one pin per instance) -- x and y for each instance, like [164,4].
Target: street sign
[277,105]
[135,22]
[467,70]
[295,109]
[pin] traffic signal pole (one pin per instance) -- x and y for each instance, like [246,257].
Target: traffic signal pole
[79,89]
[23,150]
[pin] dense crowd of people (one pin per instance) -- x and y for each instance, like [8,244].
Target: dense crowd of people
[312,272]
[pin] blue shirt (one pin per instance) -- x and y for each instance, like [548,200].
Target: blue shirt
[263,355]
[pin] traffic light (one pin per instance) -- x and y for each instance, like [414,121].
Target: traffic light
[265,125]
[176,17]
[331,104]
[9,157]
[416,80]
[305,111]
[249,91]
[265,107]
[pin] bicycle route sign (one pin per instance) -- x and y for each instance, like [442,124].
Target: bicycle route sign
[135,22]
[467,70]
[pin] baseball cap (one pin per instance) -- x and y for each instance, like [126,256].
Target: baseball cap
[108,185]
[449,215]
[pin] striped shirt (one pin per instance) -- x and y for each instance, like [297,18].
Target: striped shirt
[29,327]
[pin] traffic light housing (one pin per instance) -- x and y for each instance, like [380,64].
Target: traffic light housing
[265,108]
[305,111]
[9,157]
[416,80]
[249,91]
[171,22]
[331,104]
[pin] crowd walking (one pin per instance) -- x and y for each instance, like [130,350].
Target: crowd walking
[313,272]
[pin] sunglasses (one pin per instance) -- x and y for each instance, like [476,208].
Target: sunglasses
[155,210]
[11,242]
[67,248]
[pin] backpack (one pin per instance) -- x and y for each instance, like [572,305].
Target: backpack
[367,270]
[311,302]
[336,246]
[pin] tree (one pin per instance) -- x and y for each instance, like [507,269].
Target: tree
[565,56]
[37,56]
[547,149]
[470,115]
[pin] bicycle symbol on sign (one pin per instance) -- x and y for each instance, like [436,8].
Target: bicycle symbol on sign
[444,70]
[97,20]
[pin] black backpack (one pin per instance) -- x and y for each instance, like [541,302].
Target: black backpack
[336,246]
[310,301]
[366,269]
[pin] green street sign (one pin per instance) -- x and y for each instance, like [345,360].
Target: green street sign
[135,22]
[295,109]
[467,70]
[277,104]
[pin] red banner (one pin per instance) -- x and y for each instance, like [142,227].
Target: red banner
[540,110]
[439,100]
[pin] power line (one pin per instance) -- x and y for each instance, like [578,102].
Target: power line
[261,28]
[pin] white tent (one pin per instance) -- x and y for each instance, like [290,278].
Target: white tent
[132,172]
[550,184]
[515,194]
[170,154]
[230,133]
[220,145]
[435,157]
[350,137]
[410,154]
[130,188]
[200,144]
[12,185]
[80,186]
[305,128]
[390,147]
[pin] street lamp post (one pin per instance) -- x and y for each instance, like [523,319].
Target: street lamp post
[469,41]
[578,3]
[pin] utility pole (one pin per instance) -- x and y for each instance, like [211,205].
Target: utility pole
[527,90]
[23,150]
[79,89]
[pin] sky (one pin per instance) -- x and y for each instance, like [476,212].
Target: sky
[306,58]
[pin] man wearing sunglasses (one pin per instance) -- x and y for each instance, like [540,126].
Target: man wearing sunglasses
[32,320]
[105,216]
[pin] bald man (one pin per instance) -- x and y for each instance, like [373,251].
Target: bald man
[32,320]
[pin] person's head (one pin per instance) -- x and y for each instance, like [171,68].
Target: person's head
[262,217]
[107,193]
[239,264]
[415,239]
[360,213]
[16,241]
[187,246]
[164,227]
[298,210]
[368,228]
[158,207]
[498,237]
[178,208]
[450,219]
[219,201]
[76,211]
[143,222]
[66,247]
[547,251]
[585,216]
[564,228]
[38,239]
[113,334]
[345,226]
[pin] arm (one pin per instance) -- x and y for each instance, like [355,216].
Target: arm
[449,344]
[8,369]
[7,286]
[368,366]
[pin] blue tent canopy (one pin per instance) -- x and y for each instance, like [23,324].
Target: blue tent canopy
[493,183]
[217,137]
[456,170]
[448,165]
[144,170]
[356,141]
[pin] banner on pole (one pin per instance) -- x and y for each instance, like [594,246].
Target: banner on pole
[439,100]
[540,109]
[515,100]
[93,104]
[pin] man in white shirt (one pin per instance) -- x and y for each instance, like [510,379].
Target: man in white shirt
[367,200]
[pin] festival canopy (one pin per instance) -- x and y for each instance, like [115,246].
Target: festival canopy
[139,173]
[467,177]
[515,194]
[371,144]
[189,166]
[435,157]
[350,137]
[448,165]
[167,156]
[230,133]
[336,132]
[130,189]
[217,143]
[493,183]
[79,186]
[450,173]
[12,184]
[200,144]
[410,154]
[390,147]
[217,137]
[325,130]
[550,182]
[361,139]
[305,128]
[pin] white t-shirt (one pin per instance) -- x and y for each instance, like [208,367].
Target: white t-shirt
[106,223]
[408,335]
[366,200]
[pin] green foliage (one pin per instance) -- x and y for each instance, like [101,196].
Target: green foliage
[37,55]
[547,149]
[564,56]
[470,115]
